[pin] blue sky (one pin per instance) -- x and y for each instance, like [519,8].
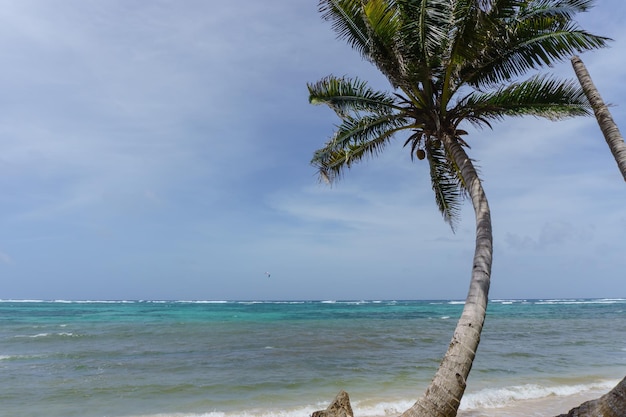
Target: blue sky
[160,150]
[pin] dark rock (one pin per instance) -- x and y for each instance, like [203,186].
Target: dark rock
[340,407]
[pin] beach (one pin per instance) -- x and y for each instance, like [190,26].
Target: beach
[290,358]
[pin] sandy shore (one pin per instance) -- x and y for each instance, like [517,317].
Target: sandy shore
[543,407]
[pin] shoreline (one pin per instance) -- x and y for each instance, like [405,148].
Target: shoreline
[526,400]
[538,407]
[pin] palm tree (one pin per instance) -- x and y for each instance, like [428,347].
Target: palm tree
[449,62]
[608,127]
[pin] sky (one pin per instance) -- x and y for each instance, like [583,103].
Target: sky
[161,150]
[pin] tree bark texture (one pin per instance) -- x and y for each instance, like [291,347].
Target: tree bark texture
[608,127]
[443,396]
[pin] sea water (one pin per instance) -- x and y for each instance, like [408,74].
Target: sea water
[283,359]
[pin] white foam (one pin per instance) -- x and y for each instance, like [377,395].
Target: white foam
[583,301]
[195,302]
[382,408]
[33,336]
[101,301]
[503,397]
[376,410]
[297,412]
[17,357]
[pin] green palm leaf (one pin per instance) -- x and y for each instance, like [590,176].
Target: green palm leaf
[346,95]
[355,139]
[447,184]
[539,96]
[537,34]
[347,23]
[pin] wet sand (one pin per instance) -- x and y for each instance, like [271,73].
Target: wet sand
[543,407]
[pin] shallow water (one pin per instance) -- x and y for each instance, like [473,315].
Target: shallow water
[224,359]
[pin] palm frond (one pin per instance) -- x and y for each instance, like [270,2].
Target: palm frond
[426,26]
[466,40]
[540,33]
[565,9]
[355,139]
[539,96]
[447,185]
[346,95]
[545,47]
[346,19]
[382,22]
[370,28]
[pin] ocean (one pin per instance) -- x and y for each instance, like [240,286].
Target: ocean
[284,359]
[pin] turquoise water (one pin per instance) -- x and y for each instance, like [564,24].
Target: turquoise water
[221,359]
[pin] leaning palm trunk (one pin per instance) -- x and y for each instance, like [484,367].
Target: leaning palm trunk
[443,397]
[607,125]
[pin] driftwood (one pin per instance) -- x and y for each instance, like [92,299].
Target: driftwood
[612,404]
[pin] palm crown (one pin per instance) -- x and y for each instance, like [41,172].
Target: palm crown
[448,62]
